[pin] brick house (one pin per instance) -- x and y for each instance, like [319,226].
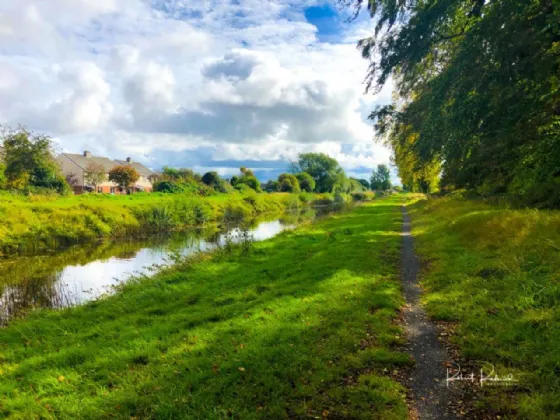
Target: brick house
[74,167]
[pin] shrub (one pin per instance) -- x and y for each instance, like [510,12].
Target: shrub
[288,183]
[306,182]
[359,196]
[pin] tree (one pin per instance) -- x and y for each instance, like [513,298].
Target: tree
[95,174]
[270,186]
[29,161]
[477,99]
[364,183]
[288,183]
[123,176]
[246,171]
[323,169]
[381,178]
[306,181]
[212,179]
[246,178]
[184,175]
[2,175]
[356,185]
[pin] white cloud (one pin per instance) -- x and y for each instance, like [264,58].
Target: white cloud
[222,80]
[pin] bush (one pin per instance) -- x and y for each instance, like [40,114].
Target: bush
[306,182]
[271,186]
[288,183]
[166,187]
[359,196]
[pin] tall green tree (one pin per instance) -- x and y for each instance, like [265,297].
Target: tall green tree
[29,161]
[325,170]
[477,82]
[381,178]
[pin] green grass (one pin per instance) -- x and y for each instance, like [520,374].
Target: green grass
[300,326]
[496,273]
[39,222]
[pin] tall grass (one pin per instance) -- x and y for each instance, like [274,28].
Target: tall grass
[37,222]
[496,273]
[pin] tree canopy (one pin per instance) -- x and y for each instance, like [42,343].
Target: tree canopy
[324,169]
[306,181]
[29,161]
[477,93]
[381,178]
[123,176]
[288,183]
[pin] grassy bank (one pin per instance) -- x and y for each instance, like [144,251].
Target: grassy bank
[496,274]
[299,325]
[34,223]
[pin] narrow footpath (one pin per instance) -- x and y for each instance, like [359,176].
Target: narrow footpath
[430,398]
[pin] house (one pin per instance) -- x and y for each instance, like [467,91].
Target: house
[75,169]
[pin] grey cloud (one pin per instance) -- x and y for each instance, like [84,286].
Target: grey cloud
[231,66]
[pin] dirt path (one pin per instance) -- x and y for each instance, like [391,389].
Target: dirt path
[429,395]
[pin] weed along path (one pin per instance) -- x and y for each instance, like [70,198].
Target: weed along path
[427,383]
[298,326]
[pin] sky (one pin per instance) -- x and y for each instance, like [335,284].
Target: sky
[203,84]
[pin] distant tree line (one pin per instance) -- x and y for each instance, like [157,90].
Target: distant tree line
[316,172]
[477,94]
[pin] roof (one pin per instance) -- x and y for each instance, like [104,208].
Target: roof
[141,169]
[83,161]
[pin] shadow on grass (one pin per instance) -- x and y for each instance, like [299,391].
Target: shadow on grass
[302,325]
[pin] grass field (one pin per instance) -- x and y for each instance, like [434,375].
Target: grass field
[39,222]
[296,326]
[495,273]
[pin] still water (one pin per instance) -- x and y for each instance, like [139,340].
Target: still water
[88,271]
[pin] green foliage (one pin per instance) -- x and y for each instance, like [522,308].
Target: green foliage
[476,97]
[47,222]
[245,180]
[181,175]
[356,185]
[306,181]
[212,179]
[325,170]
[29,162]
[288,183]
[271,186]
[228,335]
[494,273]
[365,184]
[381,178]
[94,175]
[3,179]
[123,176]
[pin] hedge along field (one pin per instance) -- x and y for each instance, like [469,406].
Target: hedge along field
[496,274]
[301,325]
[39,222]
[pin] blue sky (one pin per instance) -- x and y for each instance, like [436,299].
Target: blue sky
[206,84]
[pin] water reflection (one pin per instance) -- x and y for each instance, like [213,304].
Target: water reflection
[85,272]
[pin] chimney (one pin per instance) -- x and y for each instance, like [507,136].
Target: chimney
[129,159]
[87,153]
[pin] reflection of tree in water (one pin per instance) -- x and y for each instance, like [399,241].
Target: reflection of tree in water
[39,292]
[35,281]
